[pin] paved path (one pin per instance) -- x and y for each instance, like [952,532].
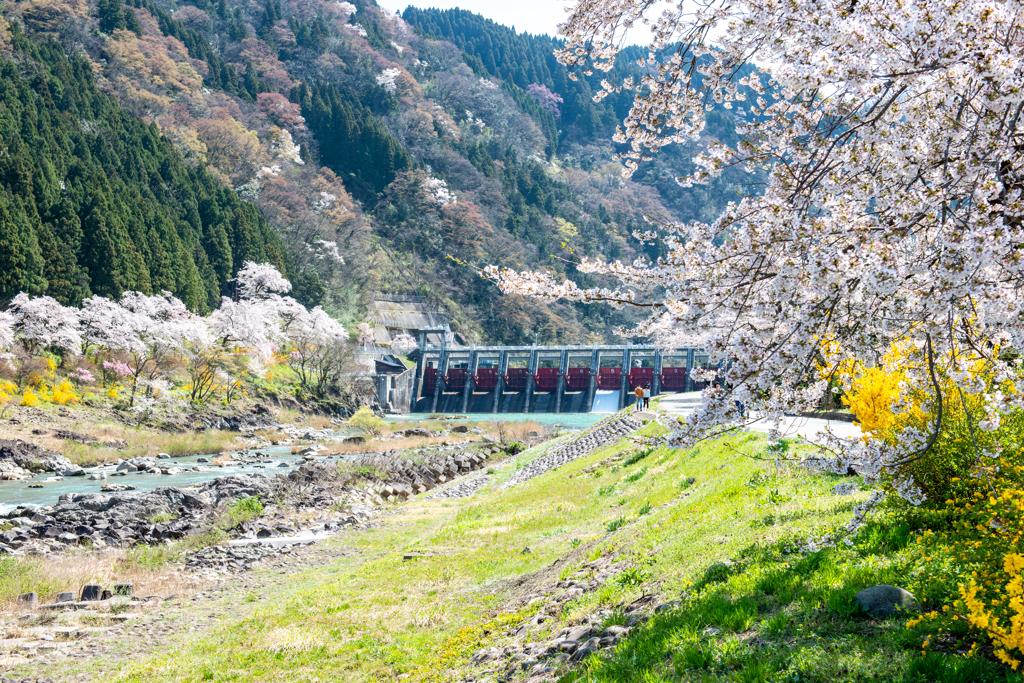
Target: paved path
[806,427]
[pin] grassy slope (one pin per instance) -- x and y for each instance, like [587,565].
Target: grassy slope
[372,616]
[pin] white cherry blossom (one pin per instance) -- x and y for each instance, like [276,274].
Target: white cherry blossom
[888,139]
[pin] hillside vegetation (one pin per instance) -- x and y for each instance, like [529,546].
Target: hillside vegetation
[382,156]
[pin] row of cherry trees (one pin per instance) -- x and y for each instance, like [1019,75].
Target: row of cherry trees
[148,341]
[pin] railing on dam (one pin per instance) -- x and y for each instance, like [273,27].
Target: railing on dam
[546,379]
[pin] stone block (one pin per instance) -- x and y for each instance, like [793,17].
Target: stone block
[27,599]
[65,597]
[92,591]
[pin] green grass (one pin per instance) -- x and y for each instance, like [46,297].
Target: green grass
[367,615]
[22,575]
[779,615]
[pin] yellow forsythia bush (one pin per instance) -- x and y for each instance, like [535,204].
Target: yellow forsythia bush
[64,393]
[992,534]
[982,549]
[870,400]
[29,398]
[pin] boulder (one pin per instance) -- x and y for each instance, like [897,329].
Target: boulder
[884,601]
[36,459]
[117,488]
[27,599]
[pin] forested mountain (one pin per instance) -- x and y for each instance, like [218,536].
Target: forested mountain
[358,150]
[527,65]
[95,201]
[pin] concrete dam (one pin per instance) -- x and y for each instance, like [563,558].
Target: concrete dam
[547,379]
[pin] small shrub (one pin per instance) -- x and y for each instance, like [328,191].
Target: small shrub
[365,420]
[617,617]
[575,543]
[240,511]
[162,517]
[149,557]
[515,448]
[644,509]
[636,475]
[634,458]
[631,577]
[64,393]
[29,398]
[615,524]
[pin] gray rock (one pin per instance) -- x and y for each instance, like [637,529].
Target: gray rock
[163,456]
[65,597]
[27,599]
[883,601]
[117,488]
[21,456]
[578,634]
[581,654]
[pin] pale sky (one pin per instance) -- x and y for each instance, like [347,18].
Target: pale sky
[528,16]
[531,16]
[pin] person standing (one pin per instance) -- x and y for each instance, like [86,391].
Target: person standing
[639,393]
[647,396]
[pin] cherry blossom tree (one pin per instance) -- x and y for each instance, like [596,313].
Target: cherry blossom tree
[42,323]
[104,323]
[403,344]
[259,280]
[251,324]
[545,98]
[148,338]
[6,331]
[889,136]
[159,329]
[320,350]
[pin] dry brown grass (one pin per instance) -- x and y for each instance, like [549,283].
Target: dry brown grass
[508,432]
[140,443]
[401,444]
[48,576]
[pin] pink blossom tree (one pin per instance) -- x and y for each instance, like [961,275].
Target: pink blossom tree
[545,98]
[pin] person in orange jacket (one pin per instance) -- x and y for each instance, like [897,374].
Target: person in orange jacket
[639,393]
